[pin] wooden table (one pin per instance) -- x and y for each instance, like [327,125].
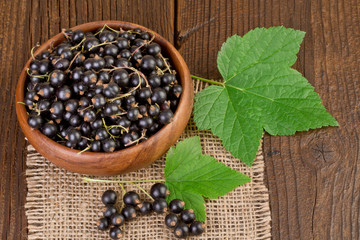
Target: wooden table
[313,177]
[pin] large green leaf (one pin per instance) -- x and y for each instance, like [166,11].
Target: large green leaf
[260,91]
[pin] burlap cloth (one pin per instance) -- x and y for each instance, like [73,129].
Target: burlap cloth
[60,205]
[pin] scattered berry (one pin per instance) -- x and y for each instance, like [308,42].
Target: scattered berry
[109,197]
[181,230]
[171,220]
[160,205]
[176,205]
[129,212]
[115,233]
[145,208]
[187,216]
[103,224]
[197,228]
[159,190]
[131,198]
[117,219]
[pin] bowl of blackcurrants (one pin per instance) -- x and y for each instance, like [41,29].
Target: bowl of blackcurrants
[104,98]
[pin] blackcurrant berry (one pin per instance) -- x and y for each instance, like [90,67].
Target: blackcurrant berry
[160,205]
[110,109]
[85,129]
[176,205]
[77,36]
[159,190]
[115,233]
[74,136]
[46,90]
[154,110]
[153,49]
[148,63]
[167,79]
[171,220]
[145,208]
[96,146]
[107,36]
[98,123]
[134,80]
[108,145]
[44,66]
[123,121]
[90,44]
[133,114]
[101,134]
[64,93]
[154,81]
[121,77]
[89,77]
[109,197]
[131,198]
[165,116]
[176,90]
[104,77]
[98,101]
[49,129]
[57,108]
[75,120]
[197,228]
[61,64]
[144,94]
[111,90]
[145,36]
[71,105]
[158,96]
[102,224]
[109,211]
[125,53]
[44,105]
[145,122]
[67,53]
[122,62]
[187,216]
[111,50]
[117,219]
[89,115]
[35,121]
[84,102]
[129,212]
[181,230]
[109,61]
[122,43]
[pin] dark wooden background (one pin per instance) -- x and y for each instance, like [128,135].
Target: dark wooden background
[313,177]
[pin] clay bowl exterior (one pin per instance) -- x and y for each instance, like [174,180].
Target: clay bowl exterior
[126,160]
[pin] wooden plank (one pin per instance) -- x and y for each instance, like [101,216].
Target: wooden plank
[14,35]
[23,23]
[312,176]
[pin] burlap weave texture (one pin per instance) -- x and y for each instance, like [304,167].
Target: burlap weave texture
[60,205]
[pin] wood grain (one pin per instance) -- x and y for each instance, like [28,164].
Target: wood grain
[312,176]
[36,21]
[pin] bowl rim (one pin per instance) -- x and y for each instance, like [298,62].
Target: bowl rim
[174,55]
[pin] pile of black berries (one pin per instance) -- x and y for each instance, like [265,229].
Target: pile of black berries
[101,91]
[181,220]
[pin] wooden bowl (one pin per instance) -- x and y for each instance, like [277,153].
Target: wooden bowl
[126,160]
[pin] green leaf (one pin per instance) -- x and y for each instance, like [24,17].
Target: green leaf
[260,92]
[190,176]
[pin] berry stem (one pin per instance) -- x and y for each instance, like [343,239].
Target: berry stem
[32,50]
[116,181]
[165,62]
[208,80]
[143,190]
[84,150]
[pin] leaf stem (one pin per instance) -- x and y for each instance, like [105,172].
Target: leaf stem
[207,80]
[115,181]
